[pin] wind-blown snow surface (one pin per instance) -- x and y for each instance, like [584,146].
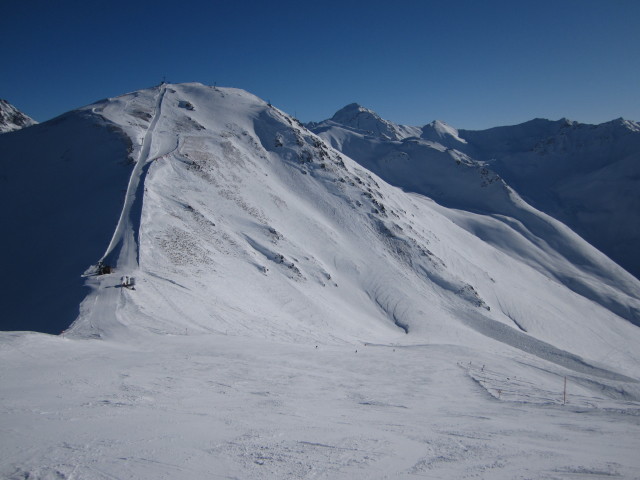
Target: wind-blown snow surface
[264,261]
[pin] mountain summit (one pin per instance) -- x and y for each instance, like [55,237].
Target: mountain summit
[365,121]
[442,133]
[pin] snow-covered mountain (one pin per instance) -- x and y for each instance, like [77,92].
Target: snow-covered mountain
[586,176]
[13,119]
[234,213]
[264,260]
[361,119]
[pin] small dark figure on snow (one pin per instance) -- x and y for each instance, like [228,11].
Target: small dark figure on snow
[103,269]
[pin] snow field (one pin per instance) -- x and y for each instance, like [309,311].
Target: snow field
[216,406]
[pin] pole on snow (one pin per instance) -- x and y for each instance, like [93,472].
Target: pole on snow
[564,395]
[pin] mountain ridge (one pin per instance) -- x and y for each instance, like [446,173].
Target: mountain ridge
[555,165]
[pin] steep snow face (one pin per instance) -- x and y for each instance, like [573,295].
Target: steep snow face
[12,119]
[273,232]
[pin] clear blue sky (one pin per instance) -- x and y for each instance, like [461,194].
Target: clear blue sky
[474,64]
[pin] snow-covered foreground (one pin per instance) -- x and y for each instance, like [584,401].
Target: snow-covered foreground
[217,406]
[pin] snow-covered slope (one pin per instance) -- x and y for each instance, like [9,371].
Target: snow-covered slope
[442,134]
[586,176]
[252,217]
[62,185]
[219,406]
[265,261]
[13,119]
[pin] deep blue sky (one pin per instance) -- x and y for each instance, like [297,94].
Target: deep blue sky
[474,64]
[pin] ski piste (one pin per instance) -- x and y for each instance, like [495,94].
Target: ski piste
[128,255]
[100,307]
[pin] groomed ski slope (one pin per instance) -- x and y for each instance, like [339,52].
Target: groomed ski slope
[124,231]
[122,253]
[296,317]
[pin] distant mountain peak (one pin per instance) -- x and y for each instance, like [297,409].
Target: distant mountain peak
[13,119]
[627,124]
[357,117]
[353,106]
[354,114]
[441,132]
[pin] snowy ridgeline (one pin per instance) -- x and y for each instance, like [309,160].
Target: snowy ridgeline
[584,175]
[287,313]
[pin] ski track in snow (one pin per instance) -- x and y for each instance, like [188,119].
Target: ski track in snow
[124,228]
[99,310]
